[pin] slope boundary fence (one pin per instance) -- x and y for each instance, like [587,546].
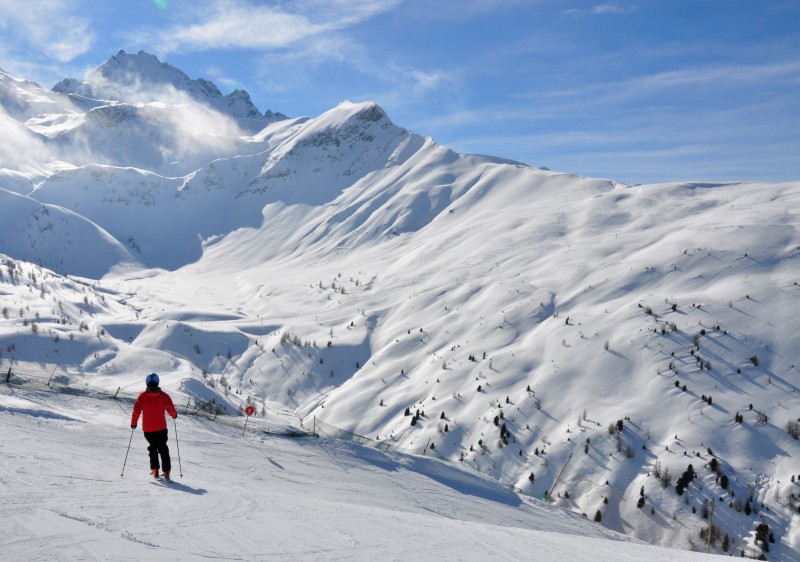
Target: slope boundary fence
[320,428]
[35,376]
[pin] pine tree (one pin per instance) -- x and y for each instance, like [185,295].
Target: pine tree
[598,517]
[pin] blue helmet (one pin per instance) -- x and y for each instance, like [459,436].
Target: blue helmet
[152,379]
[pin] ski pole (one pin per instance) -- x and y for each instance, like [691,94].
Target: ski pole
[126,453]
[178,446]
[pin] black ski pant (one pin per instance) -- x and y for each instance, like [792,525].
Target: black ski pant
[158,446]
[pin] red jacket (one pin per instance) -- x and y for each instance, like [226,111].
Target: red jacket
[153,404]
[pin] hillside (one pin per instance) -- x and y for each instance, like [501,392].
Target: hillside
[563,335]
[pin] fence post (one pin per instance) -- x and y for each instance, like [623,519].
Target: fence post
[314,431]
[186,411]
[426,448]
[553,487]
[53,373]
[117,392]
[8,375]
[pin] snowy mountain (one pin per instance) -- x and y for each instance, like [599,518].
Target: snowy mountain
[141,77]
[576,339]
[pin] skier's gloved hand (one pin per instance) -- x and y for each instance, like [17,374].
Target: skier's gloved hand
[133,426]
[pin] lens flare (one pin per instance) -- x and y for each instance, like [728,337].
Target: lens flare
[160,4]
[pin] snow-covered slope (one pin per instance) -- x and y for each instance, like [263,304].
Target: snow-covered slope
[57,238]
[566,336]
[258,497]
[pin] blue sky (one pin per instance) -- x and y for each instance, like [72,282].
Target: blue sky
[637,90]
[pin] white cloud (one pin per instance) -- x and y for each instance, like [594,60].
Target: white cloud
[330,47]
[601,9]
[459,10]
[403,83]
[242,24]
[428,81]
[612,9]
[21,149]
[716,75]
[187,126]
[220,78]
[723,81]
[48,26]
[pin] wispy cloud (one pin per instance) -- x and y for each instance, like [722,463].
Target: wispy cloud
[50,27]
[393,83]
[645,144]
[459,10]
[280,71]
[754,73]
[728,78]
[426,81]
[243,24]
[601,9]
[220,78]
[405,86]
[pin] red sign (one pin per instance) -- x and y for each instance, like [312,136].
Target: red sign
[249,410]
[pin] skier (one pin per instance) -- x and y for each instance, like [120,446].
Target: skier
[152,403]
